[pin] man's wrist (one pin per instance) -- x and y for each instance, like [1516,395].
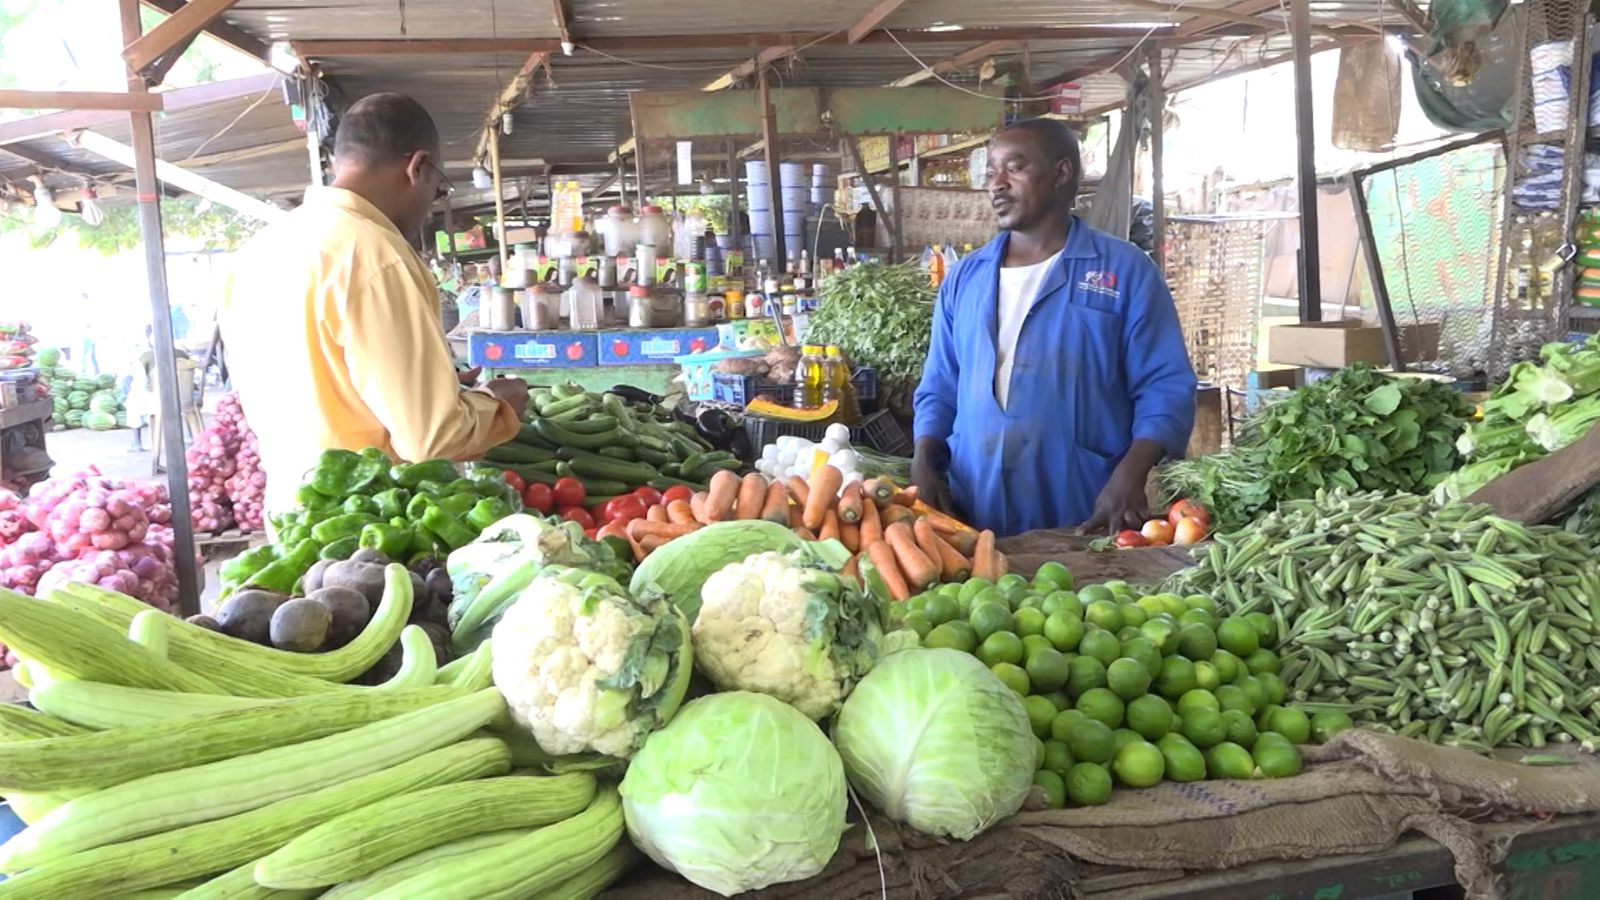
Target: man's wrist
[934,452]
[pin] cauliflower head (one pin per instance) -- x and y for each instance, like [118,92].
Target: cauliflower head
[584,667]
[779,626]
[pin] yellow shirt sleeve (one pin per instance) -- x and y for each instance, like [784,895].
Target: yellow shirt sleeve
[399,363]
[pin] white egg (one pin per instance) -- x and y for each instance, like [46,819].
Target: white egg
[786,458]
[769,452]
[839,432]
[843,460]
[831,446]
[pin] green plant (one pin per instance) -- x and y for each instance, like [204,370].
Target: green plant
[880,316]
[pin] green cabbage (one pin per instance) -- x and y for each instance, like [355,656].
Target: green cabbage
[739,791]
[680,568]
[937,741]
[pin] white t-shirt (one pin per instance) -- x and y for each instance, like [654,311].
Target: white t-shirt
[1019,288]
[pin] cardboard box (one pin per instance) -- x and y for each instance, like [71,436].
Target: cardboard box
[1326,345]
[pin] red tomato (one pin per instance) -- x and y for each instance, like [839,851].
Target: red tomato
[568,492]
[538,497]
[591,534]
[580,515]
[1130,538]
[649,495]
[1158,532]
[515,481]
[677,492]
[1185,508]
[626,508]
[1190,530]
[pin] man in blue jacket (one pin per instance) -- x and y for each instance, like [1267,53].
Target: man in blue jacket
[1057,375]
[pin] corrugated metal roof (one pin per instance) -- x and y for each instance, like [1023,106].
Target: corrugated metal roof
[281,20]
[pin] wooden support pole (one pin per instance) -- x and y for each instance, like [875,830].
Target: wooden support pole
[148,191]
[854,148]
[734,231]
[1306,170]
[499,198]
[769,136]
[1158,198]
[895,245]
[1380,288]
[112,100]
[188,20]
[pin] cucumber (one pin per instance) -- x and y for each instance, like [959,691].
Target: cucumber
[653,442]
[625,454]
[19,723]
[566,404]
[684,447]
[215,846]
[671,469]
[709,467]
[542,472]
[647,455]
[690,462]
[169,800]
[596,878]
[593,424]
[615,406]
[93,704]
[562,437]
[600,487]
[662,482]
[611,469]
[416,864]
[572,415]
[567,389]
[515,452]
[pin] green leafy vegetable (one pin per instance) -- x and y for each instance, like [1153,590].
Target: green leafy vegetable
[880,316]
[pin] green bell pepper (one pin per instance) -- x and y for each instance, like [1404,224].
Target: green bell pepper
[343,548]
[248,563]
[410,475]
[308,497]
[334,473]
[418,504]
[387,539]
[282,574]
[372,474]
[447,528]
[347,525]
[461,486]
[292,536]
[486,512]
[391,503]
[425,543]
[361,503]
[457,504]
[436,488]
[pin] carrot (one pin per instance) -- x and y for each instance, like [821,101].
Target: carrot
[911,492]
[892,513]
[883,560]
[852,570]
[697,504]
[1002,566]
[952,565]
[638,529]
[775,507]
[798,489]
[657,514]
[965,542]
[796,517]
[850,536]
[752,491]
[613,529]
[825,483]
[639,553]
[830,527]
[941,523]
[850,502]
[878,490]
[920,571]
[871,526]
[805,533]
[983,561]
[903,498]
[928,542]
[653,542]
[681,512]
[721,494]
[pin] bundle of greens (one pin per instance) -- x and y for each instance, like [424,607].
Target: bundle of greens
[1357,429]
[1539,408]
[880,316]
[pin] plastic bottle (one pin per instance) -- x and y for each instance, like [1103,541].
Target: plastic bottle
[839,386]
[935,266]
[808,377]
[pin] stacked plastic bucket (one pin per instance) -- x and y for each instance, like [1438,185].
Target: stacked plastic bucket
[801,191]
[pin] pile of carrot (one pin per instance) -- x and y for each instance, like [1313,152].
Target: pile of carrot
[911,545]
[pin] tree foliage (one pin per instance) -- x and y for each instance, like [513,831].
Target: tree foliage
[216,227]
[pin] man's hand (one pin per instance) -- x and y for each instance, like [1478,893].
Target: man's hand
[1122,503]
[469,378]
[512,390]
[929,465]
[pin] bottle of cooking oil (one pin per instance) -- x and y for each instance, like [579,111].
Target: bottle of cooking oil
[808,378]
[838,386]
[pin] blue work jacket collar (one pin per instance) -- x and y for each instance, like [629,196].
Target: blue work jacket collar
[1080,245]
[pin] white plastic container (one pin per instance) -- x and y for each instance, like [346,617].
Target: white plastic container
[654,228]
[619,231]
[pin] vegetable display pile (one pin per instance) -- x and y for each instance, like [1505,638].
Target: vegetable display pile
[1443,623]
[880,316]
[226,482]
[145,769]
[91,402]
[352,501]
[611,445]
[1358,429]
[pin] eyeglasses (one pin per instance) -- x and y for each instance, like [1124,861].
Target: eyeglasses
[446,187]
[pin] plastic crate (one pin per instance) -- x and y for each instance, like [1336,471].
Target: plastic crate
[739,390]
[879,431]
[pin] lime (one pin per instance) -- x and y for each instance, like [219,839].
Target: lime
[952,589]
[987,595]
[1122,737]
[1271,738]
[1118,587]
[1094,593]
[1017,598]
[1013,676]
[1053,786]
[1011,582]
[1084,673]
[1088,784]
[1048,669]
[1231,696]
[1033,643]
[1201,601]
[1266,630]
[1038,754]
[1173,605]
[1102,645]
[1127,678]
[1141,649]
[1262,661]
[1057,757]
[1255,690]
[1065,721]
[1176,678]
[1238,637]
[1140,765]
[1091,741]
[1133,614]
[1059,699]
[1277,761]
[919,623]
[1292,724]
[1028,620]
[1150,716]
[1032,601]
[1228,666]
[1162,632]
[1199,698]
[1205,675]
[1198,617]
[1041,712]
[1151,604]
[1197,641]
[1102,706]
[948,635]
[917,604]
[1053,576]
[1273,685]
[1226,760]
[1264,718]
[1105,614]
[1064,602]
[1325,725]
[1204,728]
[1241,728]
[1000,647]
[1063,630]
[1128,633]
[1184,762]
[989,618]
[941,609]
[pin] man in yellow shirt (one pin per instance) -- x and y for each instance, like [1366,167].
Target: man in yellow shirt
[332,319]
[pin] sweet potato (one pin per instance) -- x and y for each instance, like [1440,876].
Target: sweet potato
[722,493]
[775,507]
[752,493]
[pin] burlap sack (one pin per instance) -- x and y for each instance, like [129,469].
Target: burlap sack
[1026,552]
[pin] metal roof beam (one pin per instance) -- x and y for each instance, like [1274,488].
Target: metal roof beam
[872,19]
[751,66]
[121,153]
[558,11]
[1194,26]
[178,28]
[170,101]
[959,61]
[80,100]
[237,38]
[511,97]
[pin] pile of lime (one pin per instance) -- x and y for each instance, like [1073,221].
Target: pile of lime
[1123,688]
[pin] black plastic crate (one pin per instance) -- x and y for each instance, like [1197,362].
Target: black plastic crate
[739,390]
[879,431]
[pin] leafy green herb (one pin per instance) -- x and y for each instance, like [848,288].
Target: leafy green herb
[880,316]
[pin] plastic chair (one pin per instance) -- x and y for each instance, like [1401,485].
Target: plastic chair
[191,381]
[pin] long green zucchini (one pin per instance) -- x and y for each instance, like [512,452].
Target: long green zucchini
[200,648]
[149,628]
[419,662]
[359,843]
[527,866]
[165,892]
[415,864]
[591,881]
[174,799]
[223,844]
[239,884]
[99,706]
[104,758]
[75,646]
[19,723]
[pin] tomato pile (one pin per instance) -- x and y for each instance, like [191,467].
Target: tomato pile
[1186,523]
[599,516]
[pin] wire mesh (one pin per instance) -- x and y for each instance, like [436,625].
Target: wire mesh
[1214,270]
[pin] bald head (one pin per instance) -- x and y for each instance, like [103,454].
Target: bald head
[384,128]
